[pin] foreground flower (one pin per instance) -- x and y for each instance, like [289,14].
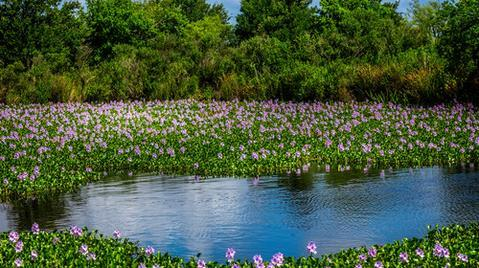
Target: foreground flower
[117,234]
[13,236]
[440,251]
[257,259]
[311,247]
[19,246]
[403,257]
[18,262]
[149,251]
[200,264]
[372,252]
[83,249]
[33,255]
[277,259]
[230,254]
[420,253]
[35,228]
[378,264]
[462,257]
[362,257]
[76,231]
[91,256]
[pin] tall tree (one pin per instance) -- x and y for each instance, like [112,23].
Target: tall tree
[360,28]
[459,43]
[115,22]
[283,19]
[51,28]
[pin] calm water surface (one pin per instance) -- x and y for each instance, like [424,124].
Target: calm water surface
[280,214]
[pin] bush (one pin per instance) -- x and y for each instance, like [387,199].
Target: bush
[412,77]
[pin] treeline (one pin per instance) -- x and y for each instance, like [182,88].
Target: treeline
[52,50]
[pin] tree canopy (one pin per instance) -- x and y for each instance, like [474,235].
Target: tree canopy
[54,50]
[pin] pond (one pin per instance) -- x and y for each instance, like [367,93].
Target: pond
[337,210]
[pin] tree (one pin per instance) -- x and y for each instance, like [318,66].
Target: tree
[459,43]
[359,28]
[28,28]
[426,21]
[115,22]
[283,19]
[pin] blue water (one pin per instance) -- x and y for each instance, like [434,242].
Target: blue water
[281,214]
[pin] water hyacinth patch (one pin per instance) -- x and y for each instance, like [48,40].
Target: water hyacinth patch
[92,249]
[54,148]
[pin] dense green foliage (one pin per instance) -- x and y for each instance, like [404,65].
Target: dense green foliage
[454,246]
[53,50]
[56,148]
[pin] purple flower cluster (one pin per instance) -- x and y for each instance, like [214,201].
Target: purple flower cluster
[149,251]
[440,251]
[76,231]
[35,228]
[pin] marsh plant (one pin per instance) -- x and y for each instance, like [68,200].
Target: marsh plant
[58,147]
[452,246]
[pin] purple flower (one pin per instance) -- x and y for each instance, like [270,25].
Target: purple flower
[19,246]
[91,256]
[420,253]
[311,247]
[149,251]
[83,249]
[362,257]
[440,251]
[33,255]
[13,236]
[257,259]
[35,228]
[277,259]
[76,231]
[200,264]
[220,156]
[372,252]
[22,176]
[462,257]
[230,254]
[378,264]
[358,266]
[141,265]
[55,240]
[404,257]
[116,234]
[18,262]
